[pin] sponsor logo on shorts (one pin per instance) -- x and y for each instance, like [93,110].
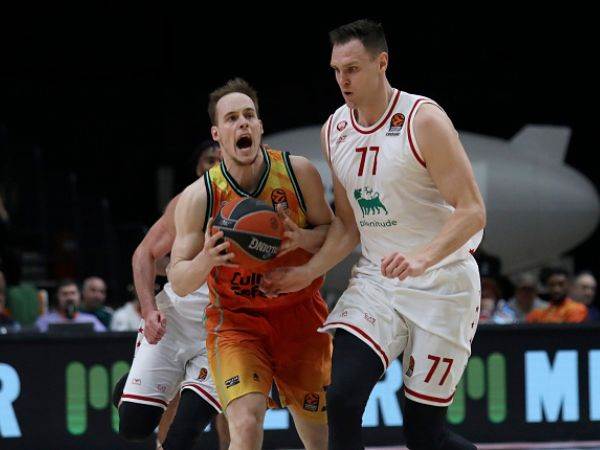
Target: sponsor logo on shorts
[341,125]
[311,402]
[203,374]
[370,319]
[396,124]
[411,367]
[232,381]
[162,388]
[137,381]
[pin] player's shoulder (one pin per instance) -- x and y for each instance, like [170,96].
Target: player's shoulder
[302,166]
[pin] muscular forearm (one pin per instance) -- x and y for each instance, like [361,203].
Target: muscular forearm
[314,238]
[461,226]
[188,276]
[144,275]
[339,242]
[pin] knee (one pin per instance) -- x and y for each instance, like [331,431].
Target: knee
[136,421]
[315,438]
[246,425]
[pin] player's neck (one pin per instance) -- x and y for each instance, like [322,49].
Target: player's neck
[247,176]
[368,114]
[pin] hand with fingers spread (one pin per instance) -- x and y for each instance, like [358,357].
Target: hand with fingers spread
[155,325]
[397,265]
[295,237]
[215,253]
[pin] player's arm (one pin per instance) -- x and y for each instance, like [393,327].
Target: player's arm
[342,237]
[194,252]
[156,244]
[153,248]
[318,212]
[451,171]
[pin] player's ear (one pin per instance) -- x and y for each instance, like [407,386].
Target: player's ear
[383,61]
[262,130]
[214,132]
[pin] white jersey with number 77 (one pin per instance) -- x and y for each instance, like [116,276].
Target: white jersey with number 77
[396,204]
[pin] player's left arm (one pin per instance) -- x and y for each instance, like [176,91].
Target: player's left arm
[451,171]
[318,212]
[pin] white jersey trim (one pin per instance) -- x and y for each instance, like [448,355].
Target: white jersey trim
[360,334]
[197,389]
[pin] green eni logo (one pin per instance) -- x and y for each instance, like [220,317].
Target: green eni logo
[481,379]
[371,204]
[90,388]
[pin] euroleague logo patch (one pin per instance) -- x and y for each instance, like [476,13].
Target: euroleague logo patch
[311,402]
[341,125]
[279,197]
[203,374]
[396,124]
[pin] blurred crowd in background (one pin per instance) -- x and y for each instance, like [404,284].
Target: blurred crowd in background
[547,295]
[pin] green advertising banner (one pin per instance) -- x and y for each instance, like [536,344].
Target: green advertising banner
[527,383]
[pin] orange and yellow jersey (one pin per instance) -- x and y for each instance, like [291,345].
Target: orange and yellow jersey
[238,288]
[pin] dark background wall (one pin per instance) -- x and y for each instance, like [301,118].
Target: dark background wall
[92,103]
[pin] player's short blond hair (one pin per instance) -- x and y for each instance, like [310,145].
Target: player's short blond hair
[235,85]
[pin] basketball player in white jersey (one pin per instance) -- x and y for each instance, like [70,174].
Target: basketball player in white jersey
[170,350]
[405,190]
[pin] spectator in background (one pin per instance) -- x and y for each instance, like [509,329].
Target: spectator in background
[584,291]
[129,316]
[7,324]
[69,299]
[22,298]
[490,296]
[94,297]
[561,309]
[525,300]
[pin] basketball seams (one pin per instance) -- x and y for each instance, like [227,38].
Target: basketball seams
[252,214]
[247,204]
[244,232]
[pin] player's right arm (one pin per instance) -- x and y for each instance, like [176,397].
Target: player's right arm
[156,244]
[342,237]
[194,252]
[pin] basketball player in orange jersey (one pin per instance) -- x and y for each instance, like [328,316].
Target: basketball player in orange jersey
[404,188]
[158,372]
[254,339]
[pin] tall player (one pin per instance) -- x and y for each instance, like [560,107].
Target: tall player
[170,350]
[403,185]
[254,339]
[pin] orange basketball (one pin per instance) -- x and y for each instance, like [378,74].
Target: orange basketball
[253,228]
